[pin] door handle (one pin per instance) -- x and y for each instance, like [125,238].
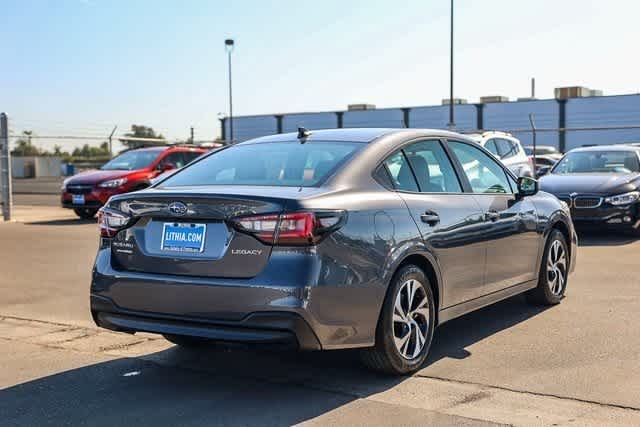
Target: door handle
[492,216]
[430,218]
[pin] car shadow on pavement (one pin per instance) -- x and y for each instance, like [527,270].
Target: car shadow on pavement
[452,338]
[65,221]
[601,238]
[223,384]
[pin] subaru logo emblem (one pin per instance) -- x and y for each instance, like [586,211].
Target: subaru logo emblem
[178,208]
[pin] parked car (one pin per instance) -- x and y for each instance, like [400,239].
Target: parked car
[507,149]
[546,157]
[132,170]
[344,238]
[548,151]
[600,184]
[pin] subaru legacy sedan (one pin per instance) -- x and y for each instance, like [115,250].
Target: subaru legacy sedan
[344,238]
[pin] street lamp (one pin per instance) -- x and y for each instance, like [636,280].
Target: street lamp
[228,45]
[452,122]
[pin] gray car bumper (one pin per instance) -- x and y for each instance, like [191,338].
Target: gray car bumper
[259,328]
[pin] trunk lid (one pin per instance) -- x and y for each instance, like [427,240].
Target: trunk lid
[189,231]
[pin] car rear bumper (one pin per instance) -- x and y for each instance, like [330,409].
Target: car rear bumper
[281,328]
[277,306]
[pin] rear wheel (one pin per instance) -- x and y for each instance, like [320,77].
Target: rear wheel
[552,279]
[85,213]
[406,325]
[187,341]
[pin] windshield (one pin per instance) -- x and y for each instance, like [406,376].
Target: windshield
[599,162]
[278,164]
[132,160]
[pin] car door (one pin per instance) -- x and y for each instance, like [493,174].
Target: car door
[449,220]
[511,234]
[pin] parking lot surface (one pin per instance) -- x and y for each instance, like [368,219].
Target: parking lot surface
[577,363]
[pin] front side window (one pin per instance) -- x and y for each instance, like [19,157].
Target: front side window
[432,168]
[174,159]
[492,147]
[286,164]
[598,162]
[483,172]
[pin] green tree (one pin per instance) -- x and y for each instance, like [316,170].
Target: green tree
[24,146]
[140,131]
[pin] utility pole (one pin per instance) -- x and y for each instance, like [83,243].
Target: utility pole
[533,130]
[229,45]
[191,140]
[533,87]
[452,123]
[110,142]
[5,168]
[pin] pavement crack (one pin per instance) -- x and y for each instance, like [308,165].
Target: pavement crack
[532,393]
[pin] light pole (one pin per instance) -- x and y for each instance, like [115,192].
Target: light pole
[228,45]
[452,123]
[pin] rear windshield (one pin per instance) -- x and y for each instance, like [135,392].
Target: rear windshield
[275,164]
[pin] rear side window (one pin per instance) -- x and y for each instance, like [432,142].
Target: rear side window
[400,172]
[270,164]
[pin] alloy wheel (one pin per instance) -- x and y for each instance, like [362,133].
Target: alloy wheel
[411,317]
[556,268]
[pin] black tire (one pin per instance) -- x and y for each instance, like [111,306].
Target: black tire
[543,293]
[385,356]
[85,213]
[187,341]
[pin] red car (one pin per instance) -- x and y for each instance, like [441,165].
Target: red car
[132,170]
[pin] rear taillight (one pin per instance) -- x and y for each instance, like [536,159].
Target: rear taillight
[111,221]
[293,228]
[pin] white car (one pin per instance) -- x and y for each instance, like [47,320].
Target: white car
[507,149]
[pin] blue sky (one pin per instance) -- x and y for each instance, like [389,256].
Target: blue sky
[80,67]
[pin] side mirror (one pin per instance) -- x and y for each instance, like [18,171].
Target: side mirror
[167,167]
[543,170]
[527,186]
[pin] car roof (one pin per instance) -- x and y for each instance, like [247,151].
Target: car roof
[155,148]
[620,147]
[169,147]
[541,146]
[365,135]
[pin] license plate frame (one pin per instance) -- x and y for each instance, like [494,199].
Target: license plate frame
[183,240]
[77,199]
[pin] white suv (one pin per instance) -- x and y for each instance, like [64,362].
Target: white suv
[507,149]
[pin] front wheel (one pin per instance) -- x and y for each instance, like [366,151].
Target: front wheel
[406,325]
[554,271]
[85,213]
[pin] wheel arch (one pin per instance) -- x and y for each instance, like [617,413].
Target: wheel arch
[427,263]
[562,227]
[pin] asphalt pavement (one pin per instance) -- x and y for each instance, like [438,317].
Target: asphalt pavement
[577,363]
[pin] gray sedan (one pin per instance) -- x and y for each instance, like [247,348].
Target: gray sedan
[344,238]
